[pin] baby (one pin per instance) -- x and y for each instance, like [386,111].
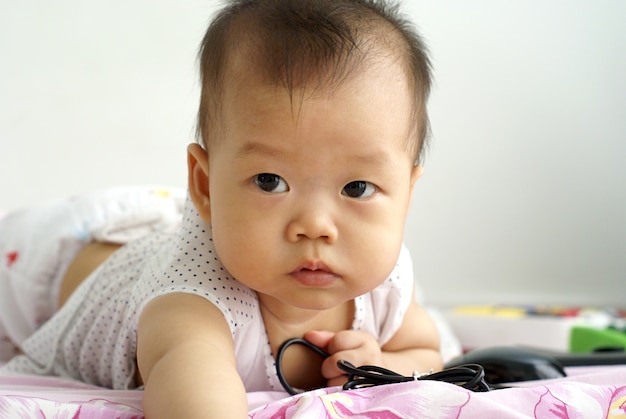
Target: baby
[312,123]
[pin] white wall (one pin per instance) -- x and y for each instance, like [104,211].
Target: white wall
[524,196]
[95,93]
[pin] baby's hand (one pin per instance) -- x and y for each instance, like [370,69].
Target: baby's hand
[358,348]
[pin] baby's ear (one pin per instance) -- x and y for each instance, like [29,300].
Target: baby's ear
[198,179]
[416,173]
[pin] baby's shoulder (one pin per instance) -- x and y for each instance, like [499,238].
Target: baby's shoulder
[194,268]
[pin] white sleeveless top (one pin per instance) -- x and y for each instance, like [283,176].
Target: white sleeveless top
[93,338]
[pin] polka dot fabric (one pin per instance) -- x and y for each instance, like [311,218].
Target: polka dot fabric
[93,338]
[38,243]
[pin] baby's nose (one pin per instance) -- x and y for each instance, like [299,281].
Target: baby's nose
[312,221]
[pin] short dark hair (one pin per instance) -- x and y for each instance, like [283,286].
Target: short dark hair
[297,42]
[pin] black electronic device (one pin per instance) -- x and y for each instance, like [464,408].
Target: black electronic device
[508,364]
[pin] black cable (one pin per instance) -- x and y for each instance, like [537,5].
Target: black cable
[468,376]
[279,360]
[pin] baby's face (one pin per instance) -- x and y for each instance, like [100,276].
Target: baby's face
[308,201]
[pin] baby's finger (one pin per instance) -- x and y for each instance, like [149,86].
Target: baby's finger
[338,381]
[319,338]
[346,340]
[330,370]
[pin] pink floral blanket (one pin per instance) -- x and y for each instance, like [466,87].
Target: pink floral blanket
[600,393]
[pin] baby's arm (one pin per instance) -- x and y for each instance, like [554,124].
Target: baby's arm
[415,346]
[187,361]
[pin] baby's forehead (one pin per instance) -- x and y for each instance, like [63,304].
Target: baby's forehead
[374,103]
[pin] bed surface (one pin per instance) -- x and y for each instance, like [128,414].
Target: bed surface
[585,393]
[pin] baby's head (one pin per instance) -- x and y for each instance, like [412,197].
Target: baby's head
[312,119]
[309,44]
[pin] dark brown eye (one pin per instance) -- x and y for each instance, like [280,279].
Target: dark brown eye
[270,182]
[359,189]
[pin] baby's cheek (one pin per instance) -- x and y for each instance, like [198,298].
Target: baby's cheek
[378,257]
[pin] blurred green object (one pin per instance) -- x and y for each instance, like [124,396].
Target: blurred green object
[588,339]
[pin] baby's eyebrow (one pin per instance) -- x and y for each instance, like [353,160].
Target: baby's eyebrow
[377,158]
[254,147]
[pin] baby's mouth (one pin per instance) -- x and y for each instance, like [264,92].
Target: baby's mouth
[314,274]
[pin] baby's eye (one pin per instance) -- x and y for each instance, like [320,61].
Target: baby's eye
[270,182]
[359,189]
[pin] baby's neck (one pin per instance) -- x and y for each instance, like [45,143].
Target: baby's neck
[284,322]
